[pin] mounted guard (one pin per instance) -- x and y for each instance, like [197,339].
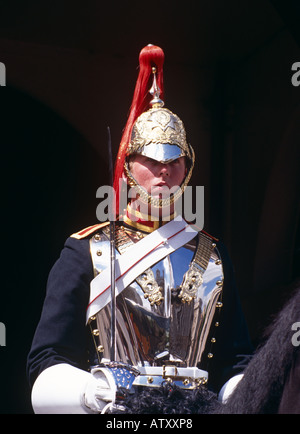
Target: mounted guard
[175,306]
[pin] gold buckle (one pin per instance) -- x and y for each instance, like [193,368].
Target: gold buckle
[169,377]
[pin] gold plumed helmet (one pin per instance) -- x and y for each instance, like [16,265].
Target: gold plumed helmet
[159,134]
[156,133]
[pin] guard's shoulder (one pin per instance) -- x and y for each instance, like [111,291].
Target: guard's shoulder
[210,236]
[90,230]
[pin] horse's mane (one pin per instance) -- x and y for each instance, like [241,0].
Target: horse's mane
[260,390]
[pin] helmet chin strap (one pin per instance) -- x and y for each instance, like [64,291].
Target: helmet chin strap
[154,201]
[147,198]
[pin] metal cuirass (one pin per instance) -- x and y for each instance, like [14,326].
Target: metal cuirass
[156,326]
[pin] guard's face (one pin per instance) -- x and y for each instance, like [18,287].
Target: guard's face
[157,177]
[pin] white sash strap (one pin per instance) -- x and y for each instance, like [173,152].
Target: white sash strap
[137,259]
[185,378]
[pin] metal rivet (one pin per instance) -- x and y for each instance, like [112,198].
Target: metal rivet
[97,237]
[219,304]
[218,262]
[210,355]
[217,324]
[200,381]
[219,282]
[150,380]
[214,245]
[96,332]
[186,381]
[100,348]
[99,252]
[213,340]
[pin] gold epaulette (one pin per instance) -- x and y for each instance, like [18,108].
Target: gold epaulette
[89,231]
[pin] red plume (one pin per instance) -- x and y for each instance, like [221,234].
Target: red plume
[150,56]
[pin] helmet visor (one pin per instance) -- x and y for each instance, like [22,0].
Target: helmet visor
[164,153]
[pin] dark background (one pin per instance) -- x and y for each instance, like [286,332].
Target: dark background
[71,68]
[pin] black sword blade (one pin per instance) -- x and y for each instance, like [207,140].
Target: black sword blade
[112,256]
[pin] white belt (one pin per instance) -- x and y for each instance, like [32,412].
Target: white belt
[186,378]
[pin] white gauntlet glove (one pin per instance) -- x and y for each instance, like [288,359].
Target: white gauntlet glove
[229,387]
[64,389]
[100,391]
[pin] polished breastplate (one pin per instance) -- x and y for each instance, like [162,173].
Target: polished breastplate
[155,324]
